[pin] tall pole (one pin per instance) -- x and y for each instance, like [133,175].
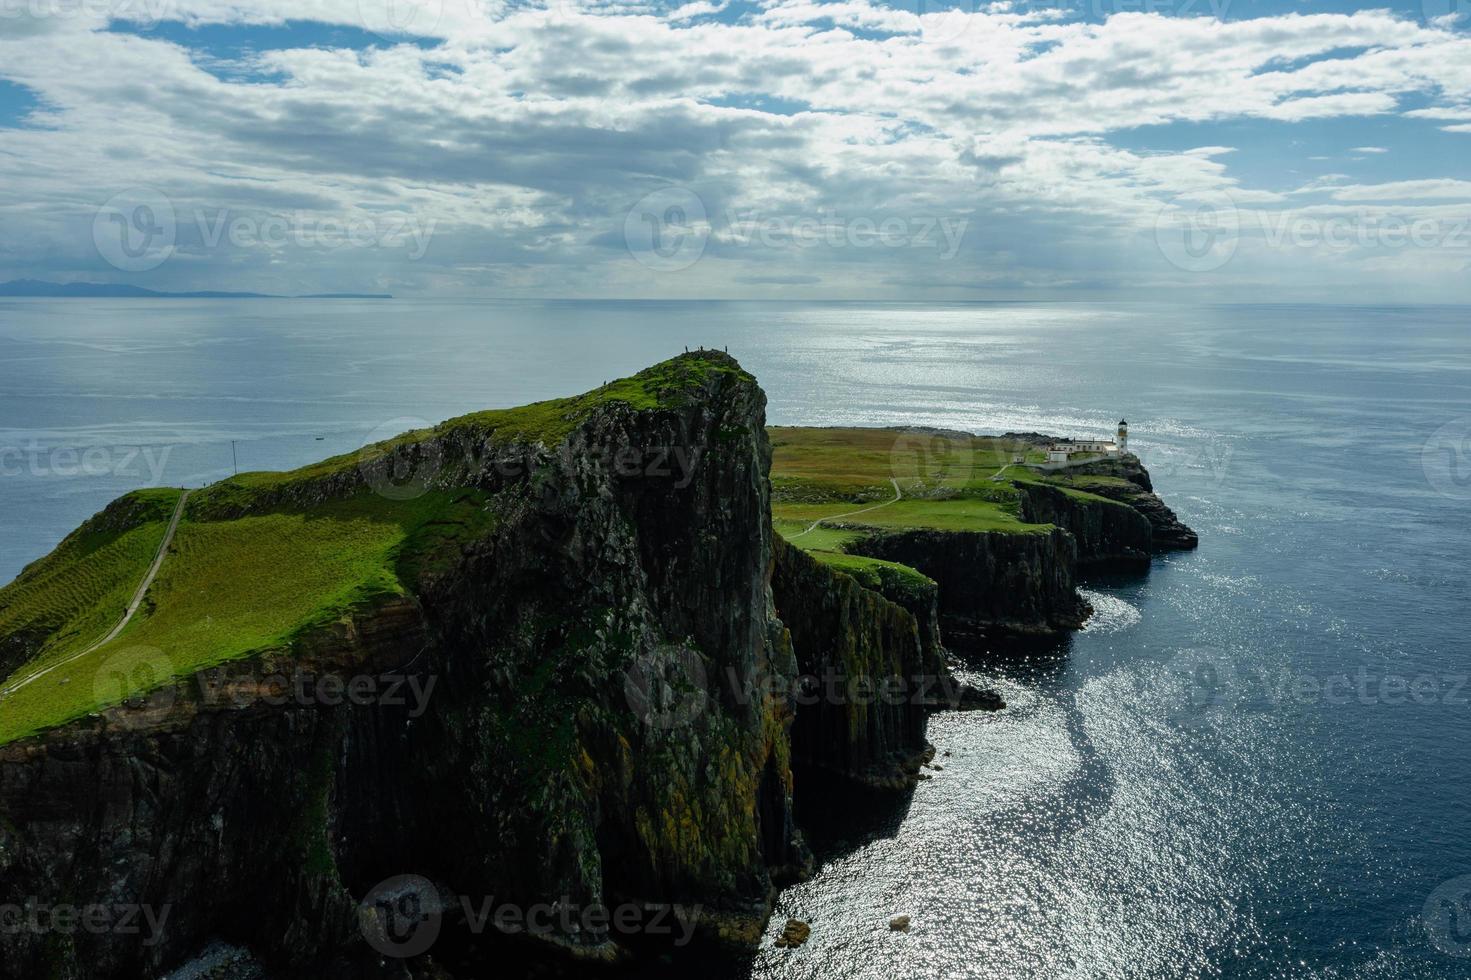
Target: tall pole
[234,458]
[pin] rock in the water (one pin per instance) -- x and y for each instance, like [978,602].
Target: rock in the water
[794,934]
[899,923]
[959,696]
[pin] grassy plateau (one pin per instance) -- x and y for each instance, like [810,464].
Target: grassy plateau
[831,487]
[252,568]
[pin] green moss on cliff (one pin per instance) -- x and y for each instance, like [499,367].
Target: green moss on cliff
[888,578]
[670,384]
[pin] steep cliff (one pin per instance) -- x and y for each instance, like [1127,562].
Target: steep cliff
[867,678]
[1110,535]
[605,713]
[1125,480]
[992,583]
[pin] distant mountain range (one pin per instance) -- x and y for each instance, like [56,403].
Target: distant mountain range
[105,290]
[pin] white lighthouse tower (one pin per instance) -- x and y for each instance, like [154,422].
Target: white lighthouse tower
[1123,437]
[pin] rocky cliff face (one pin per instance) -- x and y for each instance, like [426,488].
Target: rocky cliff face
[866,674]
[991,583]
[608,721]
[1167,532]
[1109,536]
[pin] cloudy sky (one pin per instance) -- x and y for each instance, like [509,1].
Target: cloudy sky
[1210,149]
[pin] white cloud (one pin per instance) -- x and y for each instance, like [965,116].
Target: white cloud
[1407,190]
[528,131]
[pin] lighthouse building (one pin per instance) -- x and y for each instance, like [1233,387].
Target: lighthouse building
[1062,449]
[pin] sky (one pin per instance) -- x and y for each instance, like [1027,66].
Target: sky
[1214,150]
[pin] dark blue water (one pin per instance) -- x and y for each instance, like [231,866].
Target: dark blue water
[1255,763]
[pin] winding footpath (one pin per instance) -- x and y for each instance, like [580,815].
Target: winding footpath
[898,496]
[133,606]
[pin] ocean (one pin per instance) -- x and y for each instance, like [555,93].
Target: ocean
[1256,760]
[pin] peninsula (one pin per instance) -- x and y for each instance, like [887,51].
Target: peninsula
[618,628]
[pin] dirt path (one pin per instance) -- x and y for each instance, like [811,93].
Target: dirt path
[898,495]
[133,606]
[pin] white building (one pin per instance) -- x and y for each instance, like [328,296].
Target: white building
[1062,449]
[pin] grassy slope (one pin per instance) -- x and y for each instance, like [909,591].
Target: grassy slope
[236,588]
[80,591]
[245,576]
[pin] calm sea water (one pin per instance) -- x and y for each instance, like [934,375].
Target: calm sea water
[1255,763]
